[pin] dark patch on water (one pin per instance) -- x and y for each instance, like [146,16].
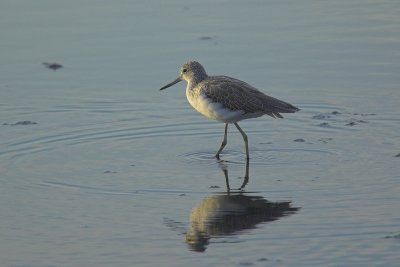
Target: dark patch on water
[320,117]
[348,122]
[394,236]
[364,114]
[246,263]
[53,66]
[325,140]
[324,125]
[110,172]
[207,38]
[353,122]
[21,123]
[323,116]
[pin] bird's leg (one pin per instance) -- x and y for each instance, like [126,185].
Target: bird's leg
[246,143]
[223,141]
[246,177]
[228,189]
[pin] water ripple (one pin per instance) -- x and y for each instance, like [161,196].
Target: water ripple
[144,124]
[270,156]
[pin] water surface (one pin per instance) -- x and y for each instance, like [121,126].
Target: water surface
[99,168]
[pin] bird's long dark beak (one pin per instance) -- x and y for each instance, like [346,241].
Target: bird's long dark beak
[172,83]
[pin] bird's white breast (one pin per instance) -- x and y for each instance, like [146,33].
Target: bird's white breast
[211,109]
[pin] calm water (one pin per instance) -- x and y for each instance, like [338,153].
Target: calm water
[99,168]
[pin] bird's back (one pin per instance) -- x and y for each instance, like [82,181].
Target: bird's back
[237,95]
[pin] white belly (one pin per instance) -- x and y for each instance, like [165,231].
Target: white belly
[214,110]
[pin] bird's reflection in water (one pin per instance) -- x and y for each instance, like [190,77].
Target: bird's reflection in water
[230,213]
[224,167]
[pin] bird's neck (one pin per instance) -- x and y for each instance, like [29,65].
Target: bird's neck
[196,80]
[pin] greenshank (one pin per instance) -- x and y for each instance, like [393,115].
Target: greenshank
[227,100]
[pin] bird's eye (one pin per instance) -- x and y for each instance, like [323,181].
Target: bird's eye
[184,70]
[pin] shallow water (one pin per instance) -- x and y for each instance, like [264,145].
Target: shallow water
[99,168]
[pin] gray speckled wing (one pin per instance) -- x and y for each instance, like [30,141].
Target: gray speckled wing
[238,95]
